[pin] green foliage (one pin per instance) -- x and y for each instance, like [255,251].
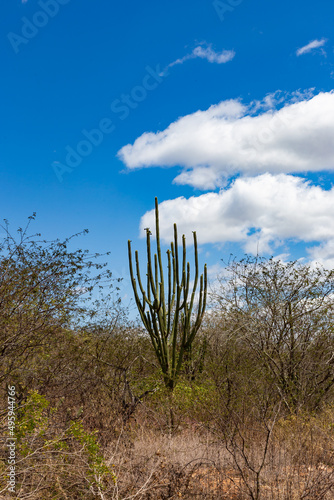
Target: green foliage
[32,421]
[193,398]
[66,453]
[95,459]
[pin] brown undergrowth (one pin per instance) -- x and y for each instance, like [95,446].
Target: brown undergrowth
[142,461]
[299,464]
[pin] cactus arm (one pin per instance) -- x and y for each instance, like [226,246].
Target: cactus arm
[184,304]
[189,334]
[157,343]
[156,277]
[152,334]
[187,283]
[183,280]
[153,283]
[201,305]
[176,251]
[145,299]
[175,330]
[184,260]
[162,288]
[169,305]
[174,276]
[141,307]
[148,285]
[149,263]
[196,270]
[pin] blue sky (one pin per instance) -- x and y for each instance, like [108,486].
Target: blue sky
[221,109]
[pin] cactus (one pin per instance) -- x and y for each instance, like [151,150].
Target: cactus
[168,314]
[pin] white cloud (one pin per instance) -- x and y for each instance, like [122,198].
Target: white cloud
[207,53]
[231,137]
[212,56]
[324,254]
[259,213]
[315,44]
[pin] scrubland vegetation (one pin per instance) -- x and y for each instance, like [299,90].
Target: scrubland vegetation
[253,405]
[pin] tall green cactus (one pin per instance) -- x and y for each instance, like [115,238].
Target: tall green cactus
[168,314]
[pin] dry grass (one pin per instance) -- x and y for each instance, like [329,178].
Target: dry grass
[299,465]
[194,462]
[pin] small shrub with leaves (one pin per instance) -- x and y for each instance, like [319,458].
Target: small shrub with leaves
[54,463]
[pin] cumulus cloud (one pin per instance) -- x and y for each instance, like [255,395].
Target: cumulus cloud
[323,253]
[231,137]
[204,52]
[315,44]
[257,212]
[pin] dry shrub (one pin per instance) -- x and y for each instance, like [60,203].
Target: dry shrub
[142,462]
[301,464]
[52,462]
[184,465]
